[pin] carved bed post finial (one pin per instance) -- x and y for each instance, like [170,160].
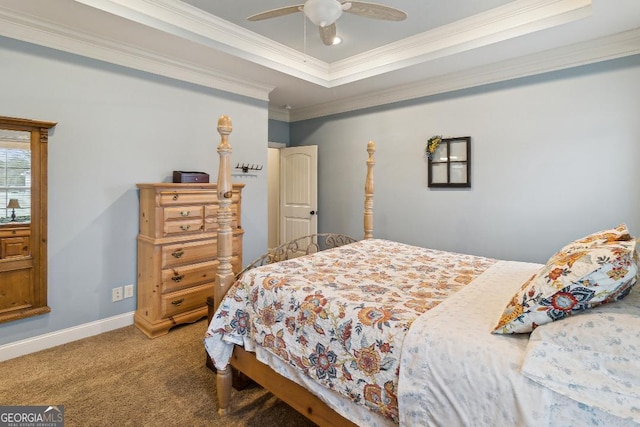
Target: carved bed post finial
[368,192]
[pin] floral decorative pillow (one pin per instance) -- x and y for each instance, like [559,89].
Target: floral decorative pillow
[620,233]
[599,268]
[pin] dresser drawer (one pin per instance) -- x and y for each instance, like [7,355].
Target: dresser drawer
[236,264]
[188,253]
[183,226]
[185,300]
[15,232]
[184,197]
[182,212]
[188,275]
[236,250]
[11,247]
[211,217]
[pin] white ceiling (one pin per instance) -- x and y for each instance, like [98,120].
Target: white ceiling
[360,34]
[441,46]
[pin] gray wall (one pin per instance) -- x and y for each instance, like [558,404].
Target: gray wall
[118,127]
[278,131]
[554,157]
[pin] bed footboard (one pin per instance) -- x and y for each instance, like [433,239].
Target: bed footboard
[296,396]
[288,391]
[301,246]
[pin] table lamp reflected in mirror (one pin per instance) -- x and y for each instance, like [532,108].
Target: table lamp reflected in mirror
[13,204]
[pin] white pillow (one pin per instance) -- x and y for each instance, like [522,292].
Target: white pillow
[593,357]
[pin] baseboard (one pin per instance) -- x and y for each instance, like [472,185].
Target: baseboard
[42,342]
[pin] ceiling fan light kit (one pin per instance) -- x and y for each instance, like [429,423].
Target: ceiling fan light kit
[322,12]
[325,13]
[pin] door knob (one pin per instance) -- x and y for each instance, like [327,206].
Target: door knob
[313,212]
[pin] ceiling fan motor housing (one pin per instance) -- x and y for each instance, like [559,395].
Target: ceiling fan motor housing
[322,12]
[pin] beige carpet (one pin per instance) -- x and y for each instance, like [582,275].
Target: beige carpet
[123,378]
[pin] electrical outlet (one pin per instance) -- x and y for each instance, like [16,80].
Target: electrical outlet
[116,294]
[128,291]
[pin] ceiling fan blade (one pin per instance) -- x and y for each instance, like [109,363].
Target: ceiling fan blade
[373,10]
[274,13]
[328,33]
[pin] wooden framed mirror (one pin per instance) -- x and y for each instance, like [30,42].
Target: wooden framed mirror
[23,217]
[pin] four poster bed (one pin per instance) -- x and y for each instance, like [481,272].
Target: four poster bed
[380,333]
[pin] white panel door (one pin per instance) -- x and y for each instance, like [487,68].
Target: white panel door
[298,192]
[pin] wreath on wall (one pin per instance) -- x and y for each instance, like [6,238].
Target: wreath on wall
[432,145]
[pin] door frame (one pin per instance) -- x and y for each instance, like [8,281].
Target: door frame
[273,194]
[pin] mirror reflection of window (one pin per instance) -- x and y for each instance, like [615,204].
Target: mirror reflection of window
[15,176]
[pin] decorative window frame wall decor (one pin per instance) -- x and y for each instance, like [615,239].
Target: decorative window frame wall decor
[450,162]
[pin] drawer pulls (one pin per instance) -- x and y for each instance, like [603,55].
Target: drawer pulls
[184,213]
[185,227]
[177,254]
[175,197]
[177,302]
[178,278]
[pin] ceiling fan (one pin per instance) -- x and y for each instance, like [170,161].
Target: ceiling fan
[325,13]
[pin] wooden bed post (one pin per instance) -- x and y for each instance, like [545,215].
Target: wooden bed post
[224,277]
[368,193]
[242,360]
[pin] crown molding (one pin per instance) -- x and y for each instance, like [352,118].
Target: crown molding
[37,31]
[606,48]
[192,24]
[279,113]
[514,19]
[502,23]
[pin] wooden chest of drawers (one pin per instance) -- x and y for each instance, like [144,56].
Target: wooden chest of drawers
[16,269]
[177,252]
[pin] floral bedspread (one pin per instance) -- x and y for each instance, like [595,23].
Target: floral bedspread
[340,316]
